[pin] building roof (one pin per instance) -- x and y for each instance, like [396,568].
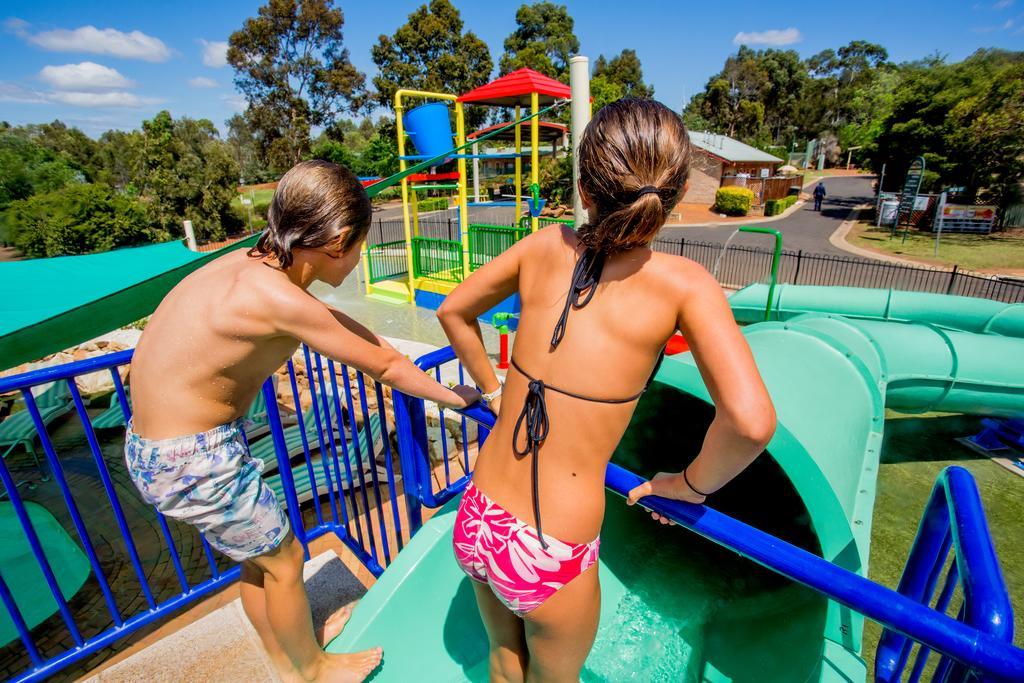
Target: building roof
[549,131]
[516,88]
[724,147]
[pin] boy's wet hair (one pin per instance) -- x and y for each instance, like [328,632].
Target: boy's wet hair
[634,160]
[315,204]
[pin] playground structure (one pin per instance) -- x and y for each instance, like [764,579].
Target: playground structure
[421,269]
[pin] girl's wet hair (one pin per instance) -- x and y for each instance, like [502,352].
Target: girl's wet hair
[316,204]
[634,160]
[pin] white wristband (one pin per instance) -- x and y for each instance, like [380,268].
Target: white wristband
[494,394]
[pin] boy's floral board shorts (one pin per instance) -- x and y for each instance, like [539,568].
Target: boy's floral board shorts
[210,481]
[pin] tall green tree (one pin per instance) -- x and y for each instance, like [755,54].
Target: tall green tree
[186,172]
[754,97]
[965,119]
[543,41]
[624,70]
[291,64]
[838,76]
[431,52]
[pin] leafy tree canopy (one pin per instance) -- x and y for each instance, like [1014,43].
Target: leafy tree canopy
[430,52]
[625,71]
[543,41]
[78,219]
[291,65]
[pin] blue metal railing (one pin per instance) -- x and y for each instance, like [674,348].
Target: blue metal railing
[354,490]
[953,521]
[349,486]
[976,647]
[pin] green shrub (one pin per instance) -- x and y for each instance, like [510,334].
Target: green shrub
[773,207]
[79,219]
[432,204]
[733,201]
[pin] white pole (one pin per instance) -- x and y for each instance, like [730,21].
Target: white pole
[579,83]
[190,236]
[938,219]
[476,172]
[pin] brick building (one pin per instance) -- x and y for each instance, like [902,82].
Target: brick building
[719,156]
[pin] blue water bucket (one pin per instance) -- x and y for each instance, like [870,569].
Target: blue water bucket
[535,207]
[429,129]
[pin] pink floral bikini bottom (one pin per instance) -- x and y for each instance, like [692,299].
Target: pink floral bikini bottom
[504,552]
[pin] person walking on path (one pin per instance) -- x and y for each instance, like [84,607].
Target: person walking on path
[819,194]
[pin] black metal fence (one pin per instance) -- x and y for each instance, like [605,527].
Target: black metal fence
[739,266]
[438,225]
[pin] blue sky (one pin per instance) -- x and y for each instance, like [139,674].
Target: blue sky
[100,65]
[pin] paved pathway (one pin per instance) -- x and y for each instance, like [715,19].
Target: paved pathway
[805,229]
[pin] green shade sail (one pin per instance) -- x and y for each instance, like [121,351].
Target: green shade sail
[54,303]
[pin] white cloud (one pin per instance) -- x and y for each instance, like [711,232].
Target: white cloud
[12,92]
[202,82]
[107,41]
[237,103]
[785,36]
[215,53]
[116,98]
[1002,4]
[16,26]
[109,99]
[84,76]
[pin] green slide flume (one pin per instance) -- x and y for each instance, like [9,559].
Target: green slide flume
[674,606]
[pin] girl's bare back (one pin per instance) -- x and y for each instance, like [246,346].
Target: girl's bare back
[608,352]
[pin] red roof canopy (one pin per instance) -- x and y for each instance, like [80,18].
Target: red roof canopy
[549,131]
[516,88]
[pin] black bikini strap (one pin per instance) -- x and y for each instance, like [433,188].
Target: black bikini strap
[535,418]
[581,397]
[585,276]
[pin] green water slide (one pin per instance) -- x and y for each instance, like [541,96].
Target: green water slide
[674,607]
[956,312]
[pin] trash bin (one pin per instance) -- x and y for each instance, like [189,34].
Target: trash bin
[889,209]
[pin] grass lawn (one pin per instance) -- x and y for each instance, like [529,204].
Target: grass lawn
[261,200]
[916,448]
[998,251]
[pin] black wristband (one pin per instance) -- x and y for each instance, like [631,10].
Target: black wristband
[692,487]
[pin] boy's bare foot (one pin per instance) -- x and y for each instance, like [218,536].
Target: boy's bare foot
[350,667]
[332,627]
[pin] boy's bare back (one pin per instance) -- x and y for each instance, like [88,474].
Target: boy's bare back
[209,346]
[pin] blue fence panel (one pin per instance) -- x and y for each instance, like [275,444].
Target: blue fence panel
[332,465]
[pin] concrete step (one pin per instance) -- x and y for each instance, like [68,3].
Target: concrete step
[223,647]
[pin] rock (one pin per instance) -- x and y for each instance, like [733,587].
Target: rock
[434,447]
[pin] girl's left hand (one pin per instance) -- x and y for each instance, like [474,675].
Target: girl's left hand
[667,485]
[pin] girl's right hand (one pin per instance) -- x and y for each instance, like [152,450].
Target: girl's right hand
[667,485]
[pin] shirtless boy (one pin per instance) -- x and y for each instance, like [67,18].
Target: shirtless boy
[200,363]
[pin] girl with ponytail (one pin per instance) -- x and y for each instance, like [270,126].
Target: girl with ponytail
[598,307]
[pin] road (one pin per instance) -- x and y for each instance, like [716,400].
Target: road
[805,229]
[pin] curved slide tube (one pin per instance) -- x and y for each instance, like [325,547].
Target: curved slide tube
[956,312]
[830,378]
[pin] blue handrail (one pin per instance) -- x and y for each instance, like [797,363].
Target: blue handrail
[983,643]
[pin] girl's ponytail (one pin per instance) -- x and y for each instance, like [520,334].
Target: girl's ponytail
[634,161]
